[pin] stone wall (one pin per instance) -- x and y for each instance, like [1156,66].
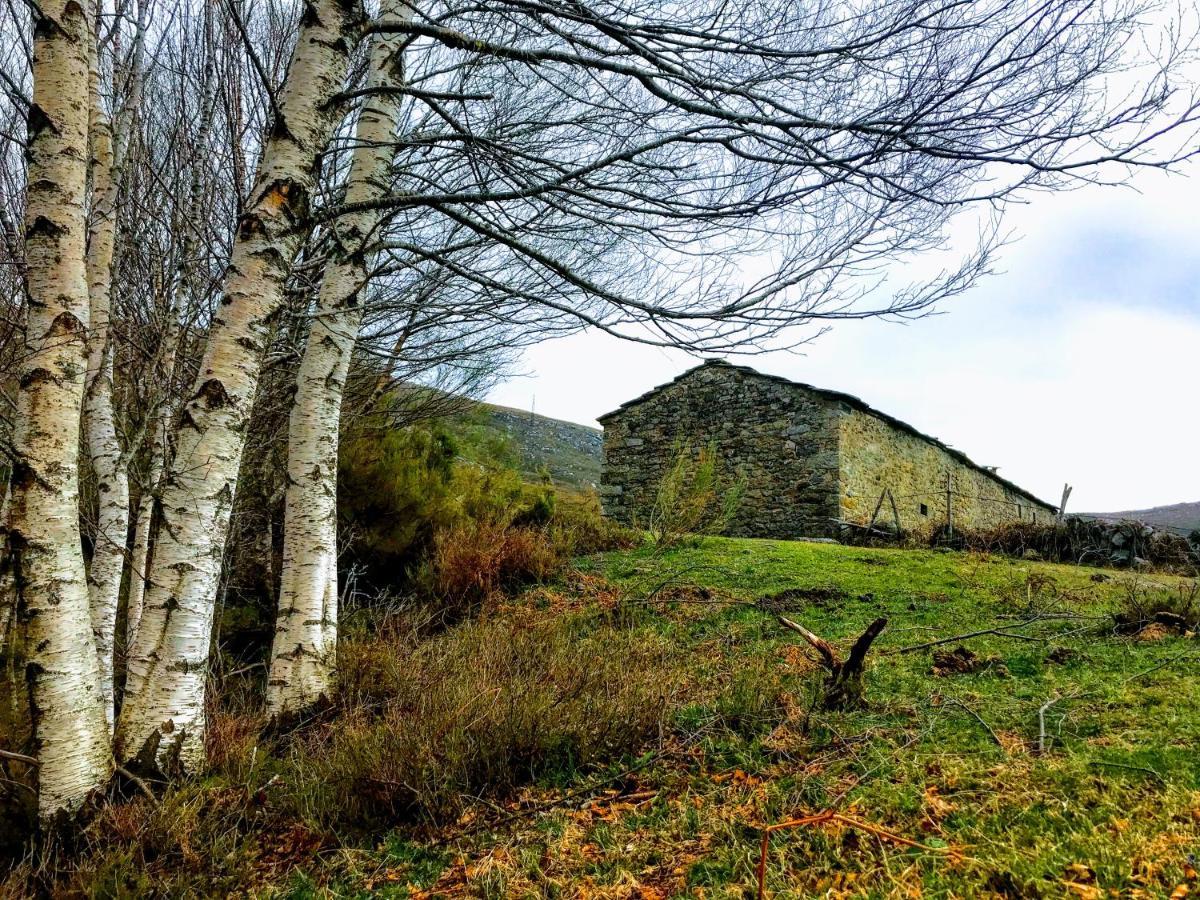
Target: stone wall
[781,437]
[876,454]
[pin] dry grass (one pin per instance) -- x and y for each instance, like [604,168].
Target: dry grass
[482,709]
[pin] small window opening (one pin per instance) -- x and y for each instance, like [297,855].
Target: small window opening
[924,510]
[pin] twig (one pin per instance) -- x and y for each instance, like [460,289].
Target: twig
[1112,765]
[138,783]
[19,757]
[830,816]
[1046,707]
[999,630]
[589,788]
[978,718]
[675,576]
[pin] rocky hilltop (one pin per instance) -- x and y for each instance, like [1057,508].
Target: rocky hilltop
[569,451]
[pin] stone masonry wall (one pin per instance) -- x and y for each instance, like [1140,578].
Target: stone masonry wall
[875,454]
[781,437]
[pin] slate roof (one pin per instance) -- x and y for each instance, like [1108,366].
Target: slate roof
[849,399]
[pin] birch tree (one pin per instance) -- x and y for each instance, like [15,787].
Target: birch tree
[163,719]
[62,671]
[305,642]
[109,142]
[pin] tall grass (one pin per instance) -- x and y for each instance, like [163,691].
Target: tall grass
[479,710]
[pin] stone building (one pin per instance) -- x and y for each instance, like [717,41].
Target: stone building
[811,458]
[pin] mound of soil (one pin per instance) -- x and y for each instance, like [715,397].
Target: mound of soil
[964,661]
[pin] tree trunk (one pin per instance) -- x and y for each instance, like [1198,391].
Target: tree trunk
[305,643]
[70,731]
[139,555]
[99,417]
[162,721]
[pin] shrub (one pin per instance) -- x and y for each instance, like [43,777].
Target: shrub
[481,708]
[473,560]
[693,497]
[1175,609]
[578,528]
[393,491]
[399,491]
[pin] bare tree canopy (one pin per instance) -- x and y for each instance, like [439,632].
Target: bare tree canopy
[742,167]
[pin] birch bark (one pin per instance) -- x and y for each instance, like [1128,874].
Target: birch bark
[304,648]
[162,720]
[110,465]
[70,732]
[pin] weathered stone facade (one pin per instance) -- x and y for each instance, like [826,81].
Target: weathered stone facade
[810,458]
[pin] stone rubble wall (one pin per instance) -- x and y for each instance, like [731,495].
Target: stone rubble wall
[875,455]
[782,438]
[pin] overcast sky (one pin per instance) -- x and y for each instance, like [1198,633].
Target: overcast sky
[1079,360]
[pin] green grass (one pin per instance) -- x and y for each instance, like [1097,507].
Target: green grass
[1110,807]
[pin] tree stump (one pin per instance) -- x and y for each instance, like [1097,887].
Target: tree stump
[843,679]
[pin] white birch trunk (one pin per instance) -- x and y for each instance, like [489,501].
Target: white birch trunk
[305,643]
[100,428]
[162,720]
[139,554]
[70,731]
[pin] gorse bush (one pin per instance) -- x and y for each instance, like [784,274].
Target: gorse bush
[400,490]
[694,497]
[578,528]
[394,491]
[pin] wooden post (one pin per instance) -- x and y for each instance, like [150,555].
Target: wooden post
[878,507]
[1062,506]
[895,512]
[950,504]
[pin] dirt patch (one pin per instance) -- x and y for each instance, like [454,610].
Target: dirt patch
[1061,655]
[964,661]
[692,593]
[1153,627]
[800,598]
[1155,631]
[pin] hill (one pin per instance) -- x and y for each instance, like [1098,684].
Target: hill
[569,451]
[1176,517]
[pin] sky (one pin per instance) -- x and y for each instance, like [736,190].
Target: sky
[1077,361]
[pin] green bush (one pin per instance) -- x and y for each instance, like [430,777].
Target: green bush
[399,490]
[394,490]
[694,497]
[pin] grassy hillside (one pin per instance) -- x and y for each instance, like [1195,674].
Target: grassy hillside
[1177,516]
[630,729]
[568,451]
